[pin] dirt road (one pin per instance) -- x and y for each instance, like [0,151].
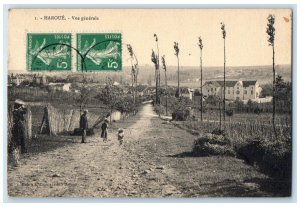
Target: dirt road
[151,163]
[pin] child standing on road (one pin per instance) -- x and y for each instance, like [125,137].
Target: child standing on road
[120,135]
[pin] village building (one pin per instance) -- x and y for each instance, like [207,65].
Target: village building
[41,80]
[18,79]
[60,86]
[187,92]
[234,90]
[150,90]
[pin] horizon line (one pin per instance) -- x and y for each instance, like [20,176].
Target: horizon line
[143,65]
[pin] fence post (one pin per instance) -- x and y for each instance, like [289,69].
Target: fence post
[28,124]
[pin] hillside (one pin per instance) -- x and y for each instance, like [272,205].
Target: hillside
[189,75]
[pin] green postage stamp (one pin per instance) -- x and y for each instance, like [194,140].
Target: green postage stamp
[99,52]
[49,52]
[95,52]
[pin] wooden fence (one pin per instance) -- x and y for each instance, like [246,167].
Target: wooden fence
[66,120]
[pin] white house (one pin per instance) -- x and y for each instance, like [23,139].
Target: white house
[41,79]
[238,89]
[116,83]
[60,86]
[17,79]
[187,92]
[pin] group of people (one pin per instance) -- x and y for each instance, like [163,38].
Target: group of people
[18,142]
[104,127]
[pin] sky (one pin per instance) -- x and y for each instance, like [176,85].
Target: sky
[246,39]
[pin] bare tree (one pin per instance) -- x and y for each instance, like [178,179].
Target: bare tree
[176,48]
[224,37]
[166,84]
[271,39]
[158,72]
[134,71]
[154,60]
[156,40]
[201,47]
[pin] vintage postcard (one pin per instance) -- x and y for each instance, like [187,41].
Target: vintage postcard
[149,103]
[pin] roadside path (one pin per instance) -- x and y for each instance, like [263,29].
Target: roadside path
[151,163]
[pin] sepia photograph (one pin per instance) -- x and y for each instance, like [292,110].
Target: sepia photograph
[149,103]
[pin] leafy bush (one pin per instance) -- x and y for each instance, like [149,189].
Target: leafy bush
[229,112]
[180,108]
[211,144]
[158,109]
[212,100]
[257,110]
[272,157]
[125,104]
[218,132]
[180,115]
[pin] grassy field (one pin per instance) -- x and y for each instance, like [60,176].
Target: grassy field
[213,115]
[253,139]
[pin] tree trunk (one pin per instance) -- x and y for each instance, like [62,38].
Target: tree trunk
[166,92]
[178,76]
[274,89]
[136,79]
[220,123]
[158,78]
[201,96]
[156,86]
[111,111]
[224,83]
[132,81]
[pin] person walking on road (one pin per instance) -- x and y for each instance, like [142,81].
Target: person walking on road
[104,127]
[84,125]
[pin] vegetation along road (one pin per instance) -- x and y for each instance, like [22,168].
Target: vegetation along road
[152,162]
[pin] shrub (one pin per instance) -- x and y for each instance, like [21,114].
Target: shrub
[212,100]
[180,115]
[218,132]
[257,110]
[272,157]
[211,144]
[251,151]
[158,109]
[180,108]
[229,112]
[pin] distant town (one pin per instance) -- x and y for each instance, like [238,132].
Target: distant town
[237,86]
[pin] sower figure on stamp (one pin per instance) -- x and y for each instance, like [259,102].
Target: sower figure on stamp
[83,125]
[18,142]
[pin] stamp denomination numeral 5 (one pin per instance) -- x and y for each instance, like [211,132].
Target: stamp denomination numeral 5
[112,64]
[62,64]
